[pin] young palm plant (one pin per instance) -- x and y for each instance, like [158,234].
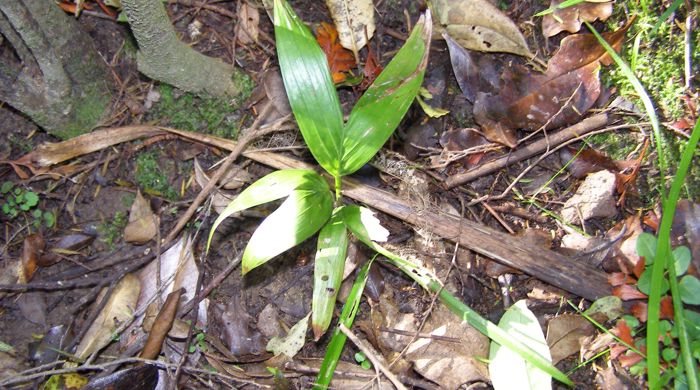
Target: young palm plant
[341,148]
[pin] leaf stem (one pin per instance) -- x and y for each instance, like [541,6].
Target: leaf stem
[338,190]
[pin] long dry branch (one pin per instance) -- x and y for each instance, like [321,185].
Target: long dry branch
[549,266]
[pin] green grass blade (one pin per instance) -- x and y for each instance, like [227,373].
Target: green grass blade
[301,215]
[562,5]
[276,185]
[663,252]
[328,273]
[662,19]
[309,87]
[347,316]
[379,111]
[646,101]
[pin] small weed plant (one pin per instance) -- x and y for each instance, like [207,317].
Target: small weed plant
[17,201]
[341,148]
[688,288]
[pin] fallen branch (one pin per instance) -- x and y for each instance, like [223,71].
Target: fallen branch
[546,265]
[585,126]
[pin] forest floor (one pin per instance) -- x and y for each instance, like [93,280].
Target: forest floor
[585,199]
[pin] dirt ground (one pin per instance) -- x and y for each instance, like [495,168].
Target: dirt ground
[241,314]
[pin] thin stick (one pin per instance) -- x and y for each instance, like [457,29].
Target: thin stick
[235,153]
[583,127]
[373,357]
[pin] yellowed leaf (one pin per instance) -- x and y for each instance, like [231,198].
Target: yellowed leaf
[119,308]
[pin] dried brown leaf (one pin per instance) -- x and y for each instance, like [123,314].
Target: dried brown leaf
[570,18]
[247,27]
[143,224]
[479,25]
[161,326]
[354,20]
[565,334]
[340,60]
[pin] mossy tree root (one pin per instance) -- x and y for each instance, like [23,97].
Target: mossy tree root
[163,57]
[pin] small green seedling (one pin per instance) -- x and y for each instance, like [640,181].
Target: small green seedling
[341,148]
[362,360]
[198,343]
[17,201]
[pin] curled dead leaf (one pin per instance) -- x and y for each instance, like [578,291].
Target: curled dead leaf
[570,18]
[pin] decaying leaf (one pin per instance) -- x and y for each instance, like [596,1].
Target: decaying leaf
[22,270]
[371,70]
[340,60]
[143,224]
[587,161]
[161,326]
[530,101]
[449,363]
[177,270]
[458,140]
[479,25]
[119,308]
[236,328]
[570,18]
[293,342]
[220,199]
[247,27]
[354,20]
[565,334]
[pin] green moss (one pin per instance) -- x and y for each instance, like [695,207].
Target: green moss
[152,178]
[658,62]
[111,230]
[208,115]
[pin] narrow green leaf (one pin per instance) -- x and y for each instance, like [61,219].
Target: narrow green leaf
[379,111]
[328,273]
[508,369]
[352,216]
[310,88]
[274,186]
[347,316]
[301,215]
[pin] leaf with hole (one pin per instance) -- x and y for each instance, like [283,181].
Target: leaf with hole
[479,25]
[328,273]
